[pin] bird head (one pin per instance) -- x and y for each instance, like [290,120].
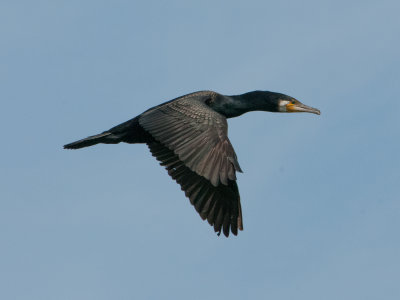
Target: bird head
[289,104]
[233,106]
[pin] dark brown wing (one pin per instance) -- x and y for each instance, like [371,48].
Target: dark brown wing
[191,141]
[197,134]
[219,205]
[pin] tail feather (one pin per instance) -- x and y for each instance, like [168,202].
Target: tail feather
[90,141]
[129,132]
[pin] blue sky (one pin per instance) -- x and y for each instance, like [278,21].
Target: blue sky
[319,193]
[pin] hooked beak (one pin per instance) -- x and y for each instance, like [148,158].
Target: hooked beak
[300,107]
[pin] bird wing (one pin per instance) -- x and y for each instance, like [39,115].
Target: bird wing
[190,140]
[219,205]
[197,134]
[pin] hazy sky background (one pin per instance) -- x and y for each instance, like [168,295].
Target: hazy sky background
[320,196]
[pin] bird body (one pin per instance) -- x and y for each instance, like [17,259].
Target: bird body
[189,137]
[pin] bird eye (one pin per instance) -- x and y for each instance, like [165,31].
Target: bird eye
[293,101]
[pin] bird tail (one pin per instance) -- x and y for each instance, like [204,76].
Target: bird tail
[129,132]
[105,137]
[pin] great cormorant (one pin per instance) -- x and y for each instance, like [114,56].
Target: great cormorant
[189,136]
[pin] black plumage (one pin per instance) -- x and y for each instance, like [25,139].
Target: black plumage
[189,137]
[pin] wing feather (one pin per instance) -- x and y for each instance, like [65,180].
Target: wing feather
[207,199]
[190,140]
[197,134]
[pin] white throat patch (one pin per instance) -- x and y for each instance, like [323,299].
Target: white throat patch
[282,105]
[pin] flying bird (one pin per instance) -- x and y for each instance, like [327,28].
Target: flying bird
[189,137]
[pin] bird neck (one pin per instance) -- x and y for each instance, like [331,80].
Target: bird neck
[252,101]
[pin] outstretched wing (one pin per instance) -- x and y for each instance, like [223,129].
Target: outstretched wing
[190,140]
[219,205]
[197,134]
